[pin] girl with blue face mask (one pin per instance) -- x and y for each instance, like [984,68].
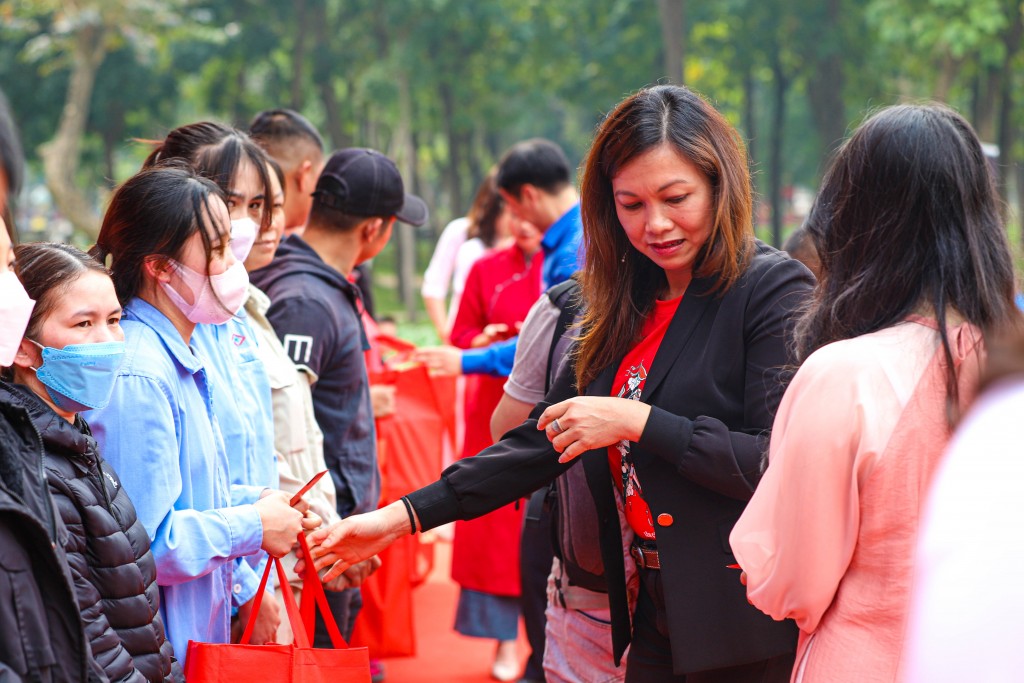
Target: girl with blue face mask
[35,580]
[65,365]
[167,235]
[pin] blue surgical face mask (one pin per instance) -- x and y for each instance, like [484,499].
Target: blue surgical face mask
[80,376]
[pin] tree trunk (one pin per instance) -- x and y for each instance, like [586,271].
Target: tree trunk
[452,174]
[332,110]
[61,154]
[240,114]
[988,110]
[371,128]
[825,86]
[109,145]
[112,133]
[750,128]
[984,85]
[428,191]
[781,86]
[750,112]
[949,69]
[476,152]
[407,167]
[299,53]
[1007,133]
[493,140]
[323,77]
[466,145]
[673,38]
[1019,173]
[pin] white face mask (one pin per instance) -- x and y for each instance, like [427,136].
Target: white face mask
[15,310]
[243,236]
[215,299]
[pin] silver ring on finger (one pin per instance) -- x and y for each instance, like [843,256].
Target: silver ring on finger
[557,427]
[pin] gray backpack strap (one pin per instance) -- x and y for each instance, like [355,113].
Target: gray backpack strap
[566,298]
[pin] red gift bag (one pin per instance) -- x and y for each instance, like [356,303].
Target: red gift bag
[409,446]
[295,663]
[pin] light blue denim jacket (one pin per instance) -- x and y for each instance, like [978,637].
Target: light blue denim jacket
[160,433]
[241,398]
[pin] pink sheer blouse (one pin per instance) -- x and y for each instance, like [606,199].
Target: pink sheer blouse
[828,538]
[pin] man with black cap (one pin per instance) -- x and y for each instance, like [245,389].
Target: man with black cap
[315,310]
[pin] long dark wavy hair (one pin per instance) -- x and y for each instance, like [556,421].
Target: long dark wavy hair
[619,283]
[908,220]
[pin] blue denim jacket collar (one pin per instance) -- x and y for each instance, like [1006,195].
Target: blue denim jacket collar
[150,316]
[561,230]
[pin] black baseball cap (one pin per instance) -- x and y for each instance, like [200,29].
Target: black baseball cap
[364,182]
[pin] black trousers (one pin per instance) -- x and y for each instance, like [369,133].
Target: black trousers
[650,653]
[535,556]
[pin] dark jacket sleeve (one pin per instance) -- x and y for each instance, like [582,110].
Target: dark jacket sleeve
[519,464]
[704,449]
[105,644]
[307,330]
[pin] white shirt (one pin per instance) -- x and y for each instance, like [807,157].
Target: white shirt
[438,277]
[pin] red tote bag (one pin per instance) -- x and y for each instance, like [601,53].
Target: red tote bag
[295,663]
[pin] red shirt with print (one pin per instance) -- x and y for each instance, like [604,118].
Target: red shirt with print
[629,383]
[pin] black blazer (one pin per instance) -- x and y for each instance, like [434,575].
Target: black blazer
[714,387]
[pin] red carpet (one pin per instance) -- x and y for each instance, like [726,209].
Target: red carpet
[442,654]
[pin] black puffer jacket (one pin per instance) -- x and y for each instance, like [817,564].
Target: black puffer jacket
[41,636]
[108,552]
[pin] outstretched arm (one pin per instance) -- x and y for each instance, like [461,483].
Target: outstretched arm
[358,538]
[519,464]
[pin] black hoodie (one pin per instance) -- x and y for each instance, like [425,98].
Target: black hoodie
[315,312]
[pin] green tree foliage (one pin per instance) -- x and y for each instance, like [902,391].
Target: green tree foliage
[445,85]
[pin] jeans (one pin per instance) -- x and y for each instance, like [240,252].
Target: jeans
[578,646]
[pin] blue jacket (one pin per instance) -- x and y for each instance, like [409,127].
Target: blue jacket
[242,405]
[315,311]
[160,433]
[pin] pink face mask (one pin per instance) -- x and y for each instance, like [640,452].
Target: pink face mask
[243,236]
[15,310]
[215,299]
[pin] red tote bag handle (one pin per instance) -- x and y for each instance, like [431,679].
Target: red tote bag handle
[301,639]
[311,586]
[303,620]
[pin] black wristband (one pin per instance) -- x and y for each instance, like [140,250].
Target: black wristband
[412,518]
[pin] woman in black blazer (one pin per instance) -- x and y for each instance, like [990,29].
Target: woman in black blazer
[683,357]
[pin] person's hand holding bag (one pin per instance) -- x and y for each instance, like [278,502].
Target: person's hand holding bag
[282,523]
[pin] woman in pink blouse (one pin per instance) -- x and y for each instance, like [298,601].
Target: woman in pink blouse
[916,271]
